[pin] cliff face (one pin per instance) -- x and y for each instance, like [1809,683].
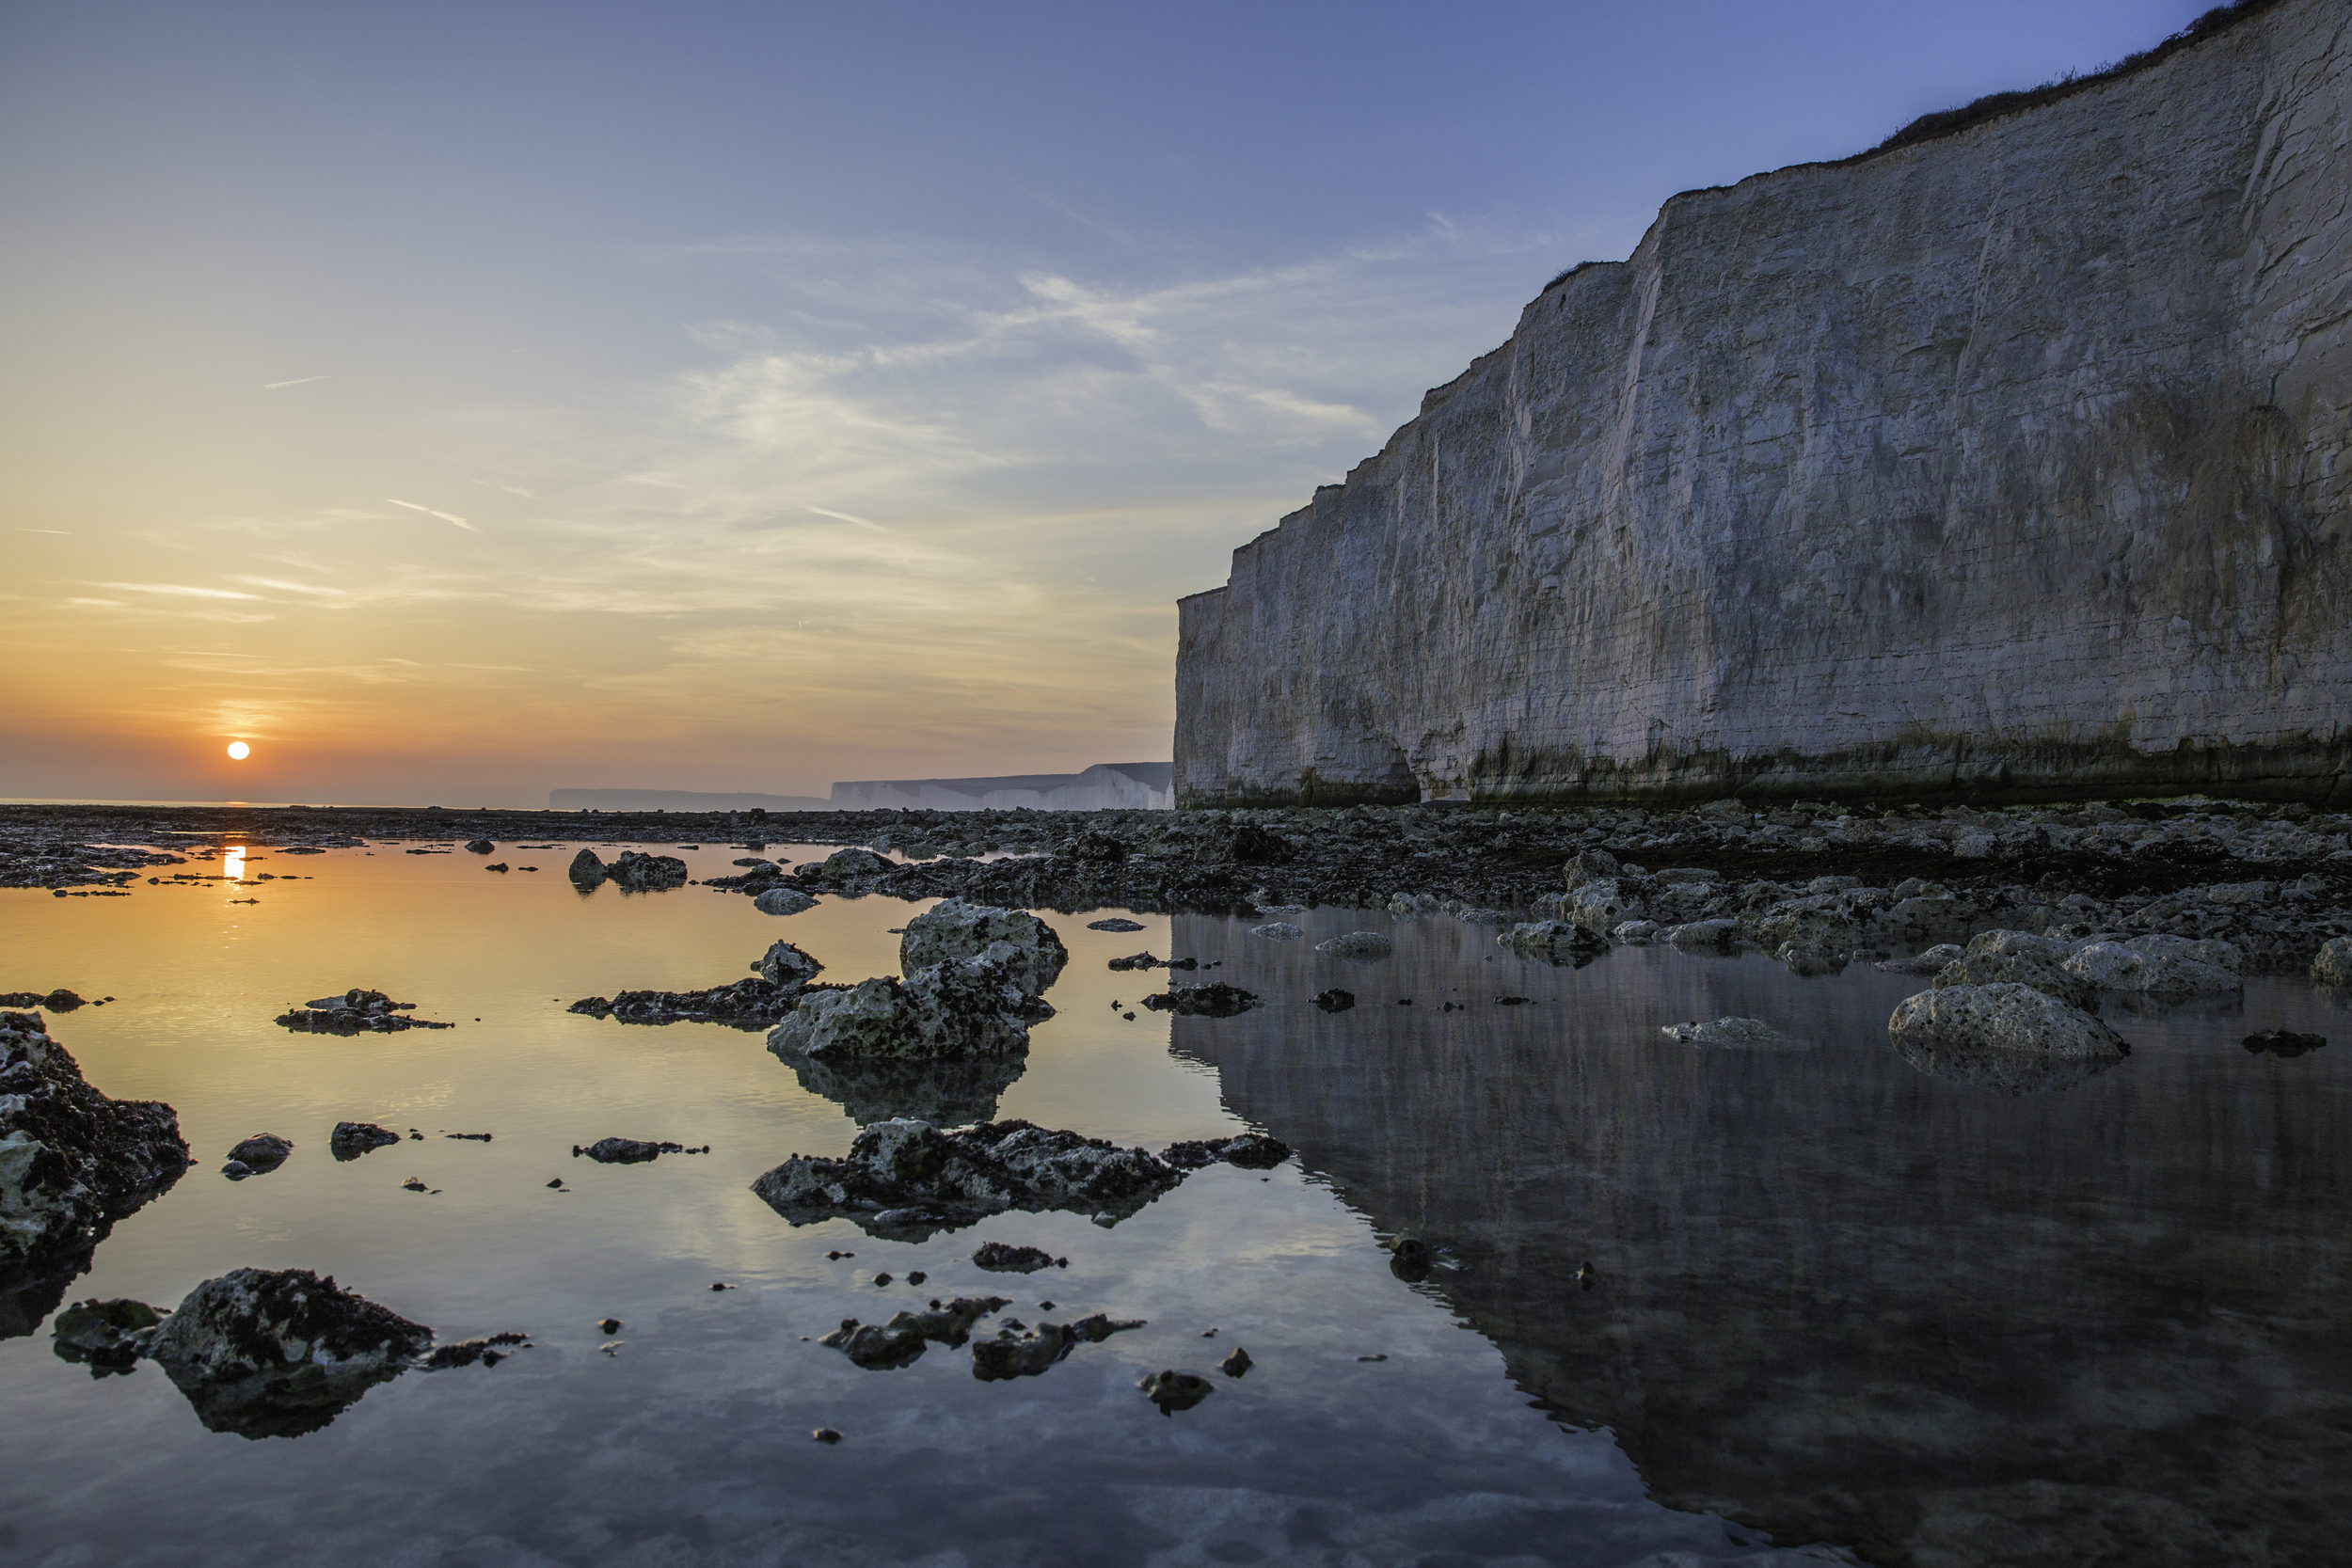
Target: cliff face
[2008,463]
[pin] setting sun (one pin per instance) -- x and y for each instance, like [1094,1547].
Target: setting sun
[239,749]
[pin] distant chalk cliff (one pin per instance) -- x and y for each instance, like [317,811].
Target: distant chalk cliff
[2010,462]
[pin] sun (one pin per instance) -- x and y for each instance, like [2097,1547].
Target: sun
[239,749]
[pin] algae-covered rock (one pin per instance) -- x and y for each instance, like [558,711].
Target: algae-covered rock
[275,1352]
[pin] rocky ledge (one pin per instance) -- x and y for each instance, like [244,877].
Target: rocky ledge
[907,1180]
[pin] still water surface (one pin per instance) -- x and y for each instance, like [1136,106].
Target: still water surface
[1831,1297]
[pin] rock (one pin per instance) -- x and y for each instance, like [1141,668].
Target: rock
[1555,942]
[108,1337]
[2241,893]
[900,1342]
[261,1152]
[2018,957]
[2334,966]
[1734,1033]
[488,1351]
[786,967]
[783,900]
[1002,1258]
[826,1436]
[1214,1000]
[1026,1353]
[1809,962]
[2125,966]
[480,845]
[1334,1000]
[1933,961]
[1600,905]
[2281,1042]
[58,1001]
[626,1151]
[907,1178]
[1115,922]
[1249,1150]
[1279,930]
[1362,947]
[963,1009]
[1635,933]
[748,1004]
[2005,1036]
[1415,904]
[1023,946]
[357,1011]
[1587,866]
[73,1161]
[1241,843]
[853,864]
[635,872]
[279,1353]
[1709,936]
[1236,1362]
[587,869]
[1173,1391]
[1823,922]
[1145,960]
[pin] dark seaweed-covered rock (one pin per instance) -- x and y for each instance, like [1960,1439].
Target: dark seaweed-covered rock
[2281,1042]
[487,1351]
[885,1347]
[357,1011]
[58,1001]
[1335,1000]
[108,1337]
[268,1353]
[1004,1257]
[1241,843]
[906,1179]
[1555,942]
[587,869]
[1116,923]
[786,967]
[257,1155]
[628,1151]
[750,1003]
[352,1139]
[480,845]
[1236,1362]
[635,872]
[73,1161]
[957,1009]
[1015,1352]
[1214,1000]
[1173,1391]
[1249,1150]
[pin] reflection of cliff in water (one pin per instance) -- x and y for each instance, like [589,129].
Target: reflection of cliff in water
[1836,1298]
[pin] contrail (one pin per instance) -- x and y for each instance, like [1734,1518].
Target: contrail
[273,385]
[445,516]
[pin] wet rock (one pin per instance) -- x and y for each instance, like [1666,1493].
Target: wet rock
[1715,936]
[635,872]
[108,1337]
[607,1327]
[851,865]
[961,1008]
[480,845]
[826,1436]
[2007,1036]
[357,1011]
[2140,965]
[1414,904]
[908,1179]
[277,1352]
[2281,1042]
[1027,950]
[1145,960]
[1249,1150]
[1214,1000]
[58,1001]
[1236,1362]
[1824,920]
[783,900]
[1587,866]
[2019,957]
[748,1004]
[488,1351]
[1278,930]
[1174,1390]
[1017,1352]
[1600,905]
[900,1342]
[1933,961]
[73,1161]
[1003,1258]
[1362,947]
[1334,1000]
[1635,933]
[1734,1033]
[1809,962]
[258,1154]
[2333,965]
[587,869]
[1555,942]
[1116,923]
[1241,843]
[786,967]
[628,1151]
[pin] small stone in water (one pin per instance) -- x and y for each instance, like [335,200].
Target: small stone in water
[1236,1363]
[881,1279]
[826,1436]
[609,1325]
[916,1277]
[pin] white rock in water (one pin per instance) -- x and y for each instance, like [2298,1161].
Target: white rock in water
[1734,1033]
[2115,966]
[1706,936]
[1600,905]
[956,929]
[2005,1036]
[2220,955]
[1357,944]
[1929,962]
[1853,475]
[783,900]
[2334,966]
[1280,930]
[960,1009]
[784,964]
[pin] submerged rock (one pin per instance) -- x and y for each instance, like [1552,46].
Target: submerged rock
[352,1139]
[902,1341]
[277,1352]
[1015,1352]
[1027,950]
[73,1161]
[1363,946]
[1278,930]
[783,900]
[2005,1036]
[1214,1000]
[1334,1000]
[1734,1033]
[1719,935]
[907,1178]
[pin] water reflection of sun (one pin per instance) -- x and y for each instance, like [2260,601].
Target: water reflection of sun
[232,862]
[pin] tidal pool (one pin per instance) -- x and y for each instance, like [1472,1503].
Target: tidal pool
[1831,1298]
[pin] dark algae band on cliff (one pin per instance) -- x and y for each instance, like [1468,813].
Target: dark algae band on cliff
[2007,463]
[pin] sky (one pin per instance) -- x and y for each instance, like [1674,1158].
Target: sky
[457,402]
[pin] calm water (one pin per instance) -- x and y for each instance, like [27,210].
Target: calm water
[1832,1298]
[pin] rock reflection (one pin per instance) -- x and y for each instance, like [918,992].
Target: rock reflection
[945,1094]
[1834,1297]
[2010,1071]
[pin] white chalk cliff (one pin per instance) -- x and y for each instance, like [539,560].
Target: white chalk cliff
[2011,460]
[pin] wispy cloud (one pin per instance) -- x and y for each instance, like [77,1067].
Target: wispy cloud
[298,381]
[175,590]
[451,518]
[58,530]
[510,489]
[844,517]
[284,587]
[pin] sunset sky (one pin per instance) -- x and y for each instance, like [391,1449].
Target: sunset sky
[458,401]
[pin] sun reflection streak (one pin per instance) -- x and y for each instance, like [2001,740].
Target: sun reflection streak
[232,862]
